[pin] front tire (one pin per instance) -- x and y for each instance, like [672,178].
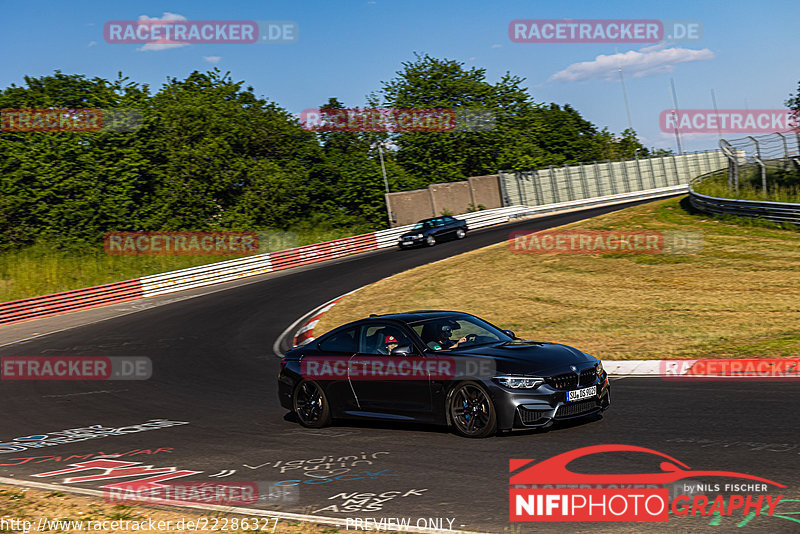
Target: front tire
[311,405]
[471,411]
[461,233]
[430,241]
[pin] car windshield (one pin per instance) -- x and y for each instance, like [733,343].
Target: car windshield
[442,333]
[423,225]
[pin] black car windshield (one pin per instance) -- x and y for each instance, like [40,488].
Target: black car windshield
[446,333]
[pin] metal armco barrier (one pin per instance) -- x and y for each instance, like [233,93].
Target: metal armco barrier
[80,299]
[328,250]
[214,273]
[773,211]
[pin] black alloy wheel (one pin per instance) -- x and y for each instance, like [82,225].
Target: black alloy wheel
[311,405]
[472,411]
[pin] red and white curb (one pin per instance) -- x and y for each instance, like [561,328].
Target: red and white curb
[633,367]
[306,332]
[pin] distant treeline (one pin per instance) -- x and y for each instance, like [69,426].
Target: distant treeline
[210,155]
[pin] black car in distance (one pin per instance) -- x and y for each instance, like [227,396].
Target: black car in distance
[439,367]
[431,231]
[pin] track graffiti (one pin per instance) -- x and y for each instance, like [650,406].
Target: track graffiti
[119,469]
[366,502]
[73,435]
[94,455]
[334,477]
[324,466]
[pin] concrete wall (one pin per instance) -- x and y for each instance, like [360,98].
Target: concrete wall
[551,185]
[486,191]
[409,207]
[453,197]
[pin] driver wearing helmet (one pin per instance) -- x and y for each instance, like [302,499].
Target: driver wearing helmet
[442,339]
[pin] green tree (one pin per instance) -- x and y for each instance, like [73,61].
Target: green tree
[350,180]
[68,187]
[223,159]
[794,104]
[526,135]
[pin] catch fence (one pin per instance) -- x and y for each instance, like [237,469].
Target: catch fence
[556,184]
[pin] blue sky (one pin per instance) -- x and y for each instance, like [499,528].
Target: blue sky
[347,48]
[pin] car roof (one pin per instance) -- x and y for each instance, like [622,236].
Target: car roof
[434,218]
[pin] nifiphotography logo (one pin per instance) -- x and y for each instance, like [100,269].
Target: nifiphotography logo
[548,491]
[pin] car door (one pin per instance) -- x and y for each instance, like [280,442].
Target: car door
[440,229]
[328,365]
[452,225]
[382,382]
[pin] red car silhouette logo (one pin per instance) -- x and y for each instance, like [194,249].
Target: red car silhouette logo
[554,470]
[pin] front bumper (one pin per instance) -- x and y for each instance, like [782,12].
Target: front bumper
[410,241]
[545,405]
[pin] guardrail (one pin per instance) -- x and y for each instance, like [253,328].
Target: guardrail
[214,273]
[784,212]
[79,299]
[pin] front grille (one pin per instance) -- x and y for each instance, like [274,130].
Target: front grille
[565,381]
[577,408]
[587,377]
[529,417]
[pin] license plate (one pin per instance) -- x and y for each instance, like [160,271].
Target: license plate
[579,394]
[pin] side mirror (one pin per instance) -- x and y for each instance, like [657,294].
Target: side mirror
[510,333]
[402,350]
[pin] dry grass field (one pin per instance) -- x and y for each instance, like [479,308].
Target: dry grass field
[739,296]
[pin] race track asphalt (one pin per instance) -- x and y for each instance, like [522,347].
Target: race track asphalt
[214,368]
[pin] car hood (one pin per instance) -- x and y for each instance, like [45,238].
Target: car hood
[415,232]
[527,357]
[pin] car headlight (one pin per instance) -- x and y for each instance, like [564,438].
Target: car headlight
[599,368]
[419,236]
[519,382]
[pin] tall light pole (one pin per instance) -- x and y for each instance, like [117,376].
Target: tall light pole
[624,91]
[625,96]
[675,114]
[716,112]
